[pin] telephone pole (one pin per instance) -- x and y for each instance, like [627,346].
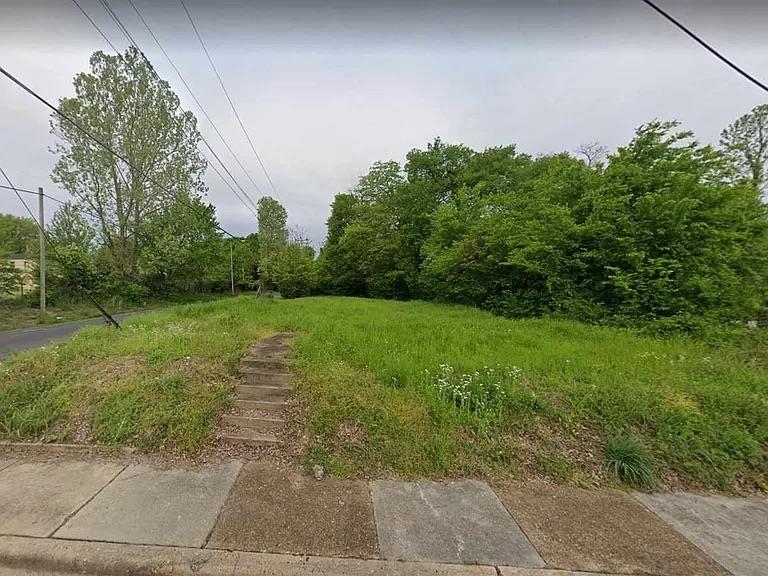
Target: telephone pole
[231,269]
[41,229]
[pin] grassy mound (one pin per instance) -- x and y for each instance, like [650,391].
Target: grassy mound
[414,389]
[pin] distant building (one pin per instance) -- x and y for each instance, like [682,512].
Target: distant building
[22,262]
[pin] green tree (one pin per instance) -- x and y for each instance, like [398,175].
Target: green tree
[745,141]
[17,235]
[272,239]
[295,273]
[122,103]
[183,250]
[245,256]
[70,228]
[10,278]
[72,262]
[337,273]
[659,233]
[669,238]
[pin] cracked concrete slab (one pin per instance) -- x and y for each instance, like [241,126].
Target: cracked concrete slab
[35,498]
[734,531]
[600,531]
[273,510]
[144,505]
[458,522]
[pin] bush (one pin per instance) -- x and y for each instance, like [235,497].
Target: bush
[630,461]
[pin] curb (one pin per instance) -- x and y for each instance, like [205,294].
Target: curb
[54,556]
[50,556]
[53,448]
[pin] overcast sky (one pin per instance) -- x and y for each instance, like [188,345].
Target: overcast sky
[327,88]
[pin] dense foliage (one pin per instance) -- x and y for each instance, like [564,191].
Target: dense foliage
[664,232]
[659,233]
[17,235]
[138,226]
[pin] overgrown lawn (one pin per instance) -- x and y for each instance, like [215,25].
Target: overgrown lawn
[413,389]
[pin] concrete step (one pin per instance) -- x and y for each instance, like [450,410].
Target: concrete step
[263,405]
[269,364]
[269,393]
[284,335]
[282,343]
[253,423]
[271,352]
[255,376]
[250,438]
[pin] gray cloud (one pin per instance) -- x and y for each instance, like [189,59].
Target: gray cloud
[327,88]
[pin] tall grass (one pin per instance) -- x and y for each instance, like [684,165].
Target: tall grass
[368,373]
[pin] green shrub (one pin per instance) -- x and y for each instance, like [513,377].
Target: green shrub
[630,461]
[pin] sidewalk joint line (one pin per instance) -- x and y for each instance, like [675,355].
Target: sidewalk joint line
[634,495]
[221,508]
[512,517]
[88,501]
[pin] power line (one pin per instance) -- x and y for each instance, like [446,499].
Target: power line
[202,109]
[232,104]
[41,227]
[133,43]
[108,41]
[106,38]
[106,147]
[33,192]
[698,39]
[120,25]
[213,152]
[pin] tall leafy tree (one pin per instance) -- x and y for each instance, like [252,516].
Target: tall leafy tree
[272,238]
[183,249]
[17,235]
[745,141]
[70,228]
[659,232]
[669,238]
[122,103]
[11,278]
[73,262]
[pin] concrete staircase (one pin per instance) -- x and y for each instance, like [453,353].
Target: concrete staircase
[259,404]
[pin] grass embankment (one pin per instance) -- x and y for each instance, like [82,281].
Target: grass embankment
[414,389]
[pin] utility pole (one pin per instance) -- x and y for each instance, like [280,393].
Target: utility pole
[231,269]
[41,229]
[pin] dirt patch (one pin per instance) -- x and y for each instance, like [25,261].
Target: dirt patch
[74,429]
[351,433]
[110,372]
[206,370]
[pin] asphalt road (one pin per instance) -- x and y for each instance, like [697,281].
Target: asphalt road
[25,338]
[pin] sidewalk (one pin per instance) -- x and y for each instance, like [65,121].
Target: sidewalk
[110,518]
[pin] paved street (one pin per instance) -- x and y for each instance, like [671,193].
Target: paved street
[108,517]
[26,338]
